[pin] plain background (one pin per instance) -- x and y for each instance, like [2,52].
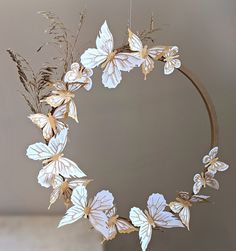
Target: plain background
[143,137]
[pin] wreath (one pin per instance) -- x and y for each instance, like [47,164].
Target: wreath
[42,92]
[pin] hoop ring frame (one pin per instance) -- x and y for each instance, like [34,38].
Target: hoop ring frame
[207,101]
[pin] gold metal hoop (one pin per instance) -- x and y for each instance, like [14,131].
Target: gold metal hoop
[207,101]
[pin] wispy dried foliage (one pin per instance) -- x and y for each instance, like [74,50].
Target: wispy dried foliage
[61,37]
[35,85]
[145,35]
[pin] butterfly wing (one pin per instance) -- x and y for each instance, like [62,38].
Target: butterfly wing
[39,151]
[104,42]
[111,212]
[91,58]
[156,52]
[80,182]
[83,81]
[139,219]
[124,227]
[65,167]
[89,84]
[135,43]
[211,155]
[99,220]
[175,207]
[42,122]
[171,51]
[198,183]
[73,111]
[156,205]
[167,220]
[218,166]
[60,126]
[199,198]
[47,131]
[45,179]
[127,61]
[213,183]
[58,181]
[221,166]
[210,181]
[171,65]
[145,235]
[185,216]
[60,112]
[72,75]
[147,66]
[112,232]
[111,76]
[76,212]
[39,119]
[184,195]
[112,227]
[58,142]
[54,100]
[72,87]
[103,201]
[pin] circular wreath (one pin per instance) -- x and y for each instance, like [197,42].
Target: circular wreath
[57,170]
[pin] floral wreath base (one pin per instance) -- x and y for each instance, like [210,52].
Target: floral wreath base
[58,170]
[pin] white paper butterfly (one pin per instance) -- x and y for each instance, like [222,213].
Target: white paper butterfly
[64,95]
[46,179]
[51,155]
[111,60]
[49,123]
[183,203]
[171,60]
[203,180]
[155,216]
[117,224]
[79,74]
[62,187]
[148,54]
[212,163]
[93,209]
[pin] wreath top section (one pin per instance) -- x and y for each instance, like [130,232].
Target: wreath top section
[134,54]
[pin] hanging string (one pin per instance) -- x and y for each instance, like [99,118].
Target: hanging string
[130,13]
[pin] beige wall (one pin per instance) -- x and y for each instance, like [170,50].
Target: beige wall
[143,137]
[37,233]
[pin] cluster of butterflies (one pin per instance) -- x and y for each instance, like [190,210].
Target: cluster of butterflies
[184,201]
[113,61]
[57,170]
[102,213]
